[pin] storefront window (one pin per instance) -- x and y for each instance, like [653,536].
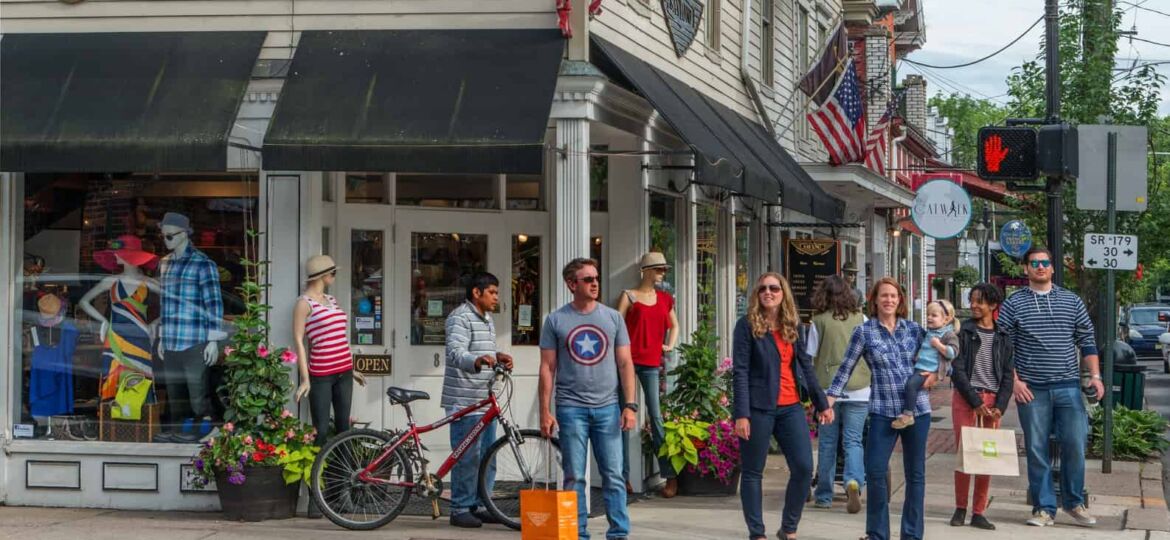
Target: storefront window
[743,261]
[365,189]
[664,233]
[596,248]
[525,192]
[707,242]
[118,269]
[472,191]
[440,264]
[367,287]
[599,180]
[525,289]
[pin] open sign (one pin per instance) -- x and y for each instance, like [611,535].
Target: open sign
[373,364]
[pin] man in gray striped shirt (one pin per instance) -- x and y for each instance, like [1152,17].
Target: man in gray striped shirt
[1047,325]
[471,346]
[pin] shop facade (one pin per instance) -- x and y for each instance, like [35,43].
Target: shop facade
[497,148]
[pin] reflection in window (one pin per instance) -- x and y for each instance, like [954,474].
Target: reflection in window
[743,261]
[440,264]
[599,180]
[524,192]
[525,289]
[93,252]
[664,233]
[367,286]
[473,191]
[366,189]
[706,248]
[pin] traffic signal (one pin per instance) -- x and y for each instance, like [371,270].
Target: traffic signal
[1007,153]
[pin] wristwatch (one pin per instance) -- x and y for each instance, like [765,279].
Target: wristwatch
[1097,377]
[631,406]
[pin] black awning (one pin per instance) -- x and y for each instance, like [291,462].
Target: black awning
[145,102]
[731,151]
[454,101]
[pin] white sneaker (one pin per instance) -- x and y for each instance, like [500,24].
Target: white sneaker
[1082,516]
[1041,518]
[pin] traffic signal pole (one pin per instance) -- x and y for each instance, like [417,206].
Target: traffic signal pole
[1054,187]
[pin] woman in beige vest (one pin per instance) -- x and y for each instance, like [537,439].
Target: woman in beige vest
[836,315]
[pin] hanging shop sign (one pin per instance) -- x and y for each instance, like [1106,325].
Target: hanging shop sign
[807,263]
[682,19]
[1015,238]
[942,209]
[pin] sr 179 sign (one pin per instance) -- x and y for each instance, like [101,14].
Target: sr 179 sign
[1111,251]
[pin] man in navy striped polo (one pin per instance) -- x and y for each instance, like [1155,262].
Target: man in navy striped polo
[1048,324]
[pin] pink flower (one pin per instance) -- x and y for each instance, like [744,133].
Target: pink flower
[248,439]
[289,434]
[228,427]
[285,413]
[723,400]
[227,351]
[308,438]
[724,366]
[262,351]
[288,357]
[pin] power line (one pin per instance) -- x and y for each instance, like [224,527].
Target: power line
[971,63]
[1144,8]
[1135,38]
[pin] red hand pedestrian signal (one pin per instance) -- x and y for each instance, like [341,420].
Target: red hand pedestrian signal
[994,152]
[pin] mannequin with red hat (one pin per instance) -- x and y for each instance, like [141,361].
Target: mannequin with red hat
[127,330]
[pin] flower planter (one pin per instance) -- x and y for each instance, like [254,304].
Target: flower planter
[692,484]
[263,495]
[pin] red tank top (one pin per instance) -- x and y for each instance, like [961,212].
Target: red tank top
[647,326]
[328,345]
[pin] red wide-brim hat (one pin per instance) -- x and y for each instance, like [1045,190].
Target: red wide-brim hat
[129,249]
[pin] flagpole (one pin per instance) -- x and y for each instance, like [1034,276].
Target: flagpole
[836,71]
[839,21]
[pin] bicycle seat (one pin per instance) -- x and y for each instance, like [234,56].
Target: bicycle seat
[402,395]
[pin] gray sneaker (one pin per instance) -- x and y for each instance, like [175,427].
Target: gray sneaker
[1082,516]
[1041,518]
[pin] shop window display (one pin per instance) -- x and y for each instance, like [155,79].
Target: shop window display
[128,291]
[439,264]
[525,289]
[743,261]
[664,234]
[707,242]
[367,285]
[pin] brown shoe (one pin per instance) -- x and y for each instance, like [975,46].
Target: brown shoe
[629,488]
[670,489]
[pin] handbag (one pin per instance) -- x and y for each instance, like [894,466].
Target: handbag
[986,451]
[133,390]
[548,514]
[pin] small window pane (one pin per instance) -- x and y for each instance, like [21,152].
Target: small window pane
[525,192]
[664,233]
[599,180]
[743,261]
[439,264]
[326,241]
[595,250]
[327,188]
[707,242]
[367,189]
[473,191]
[525,290]
[367,283]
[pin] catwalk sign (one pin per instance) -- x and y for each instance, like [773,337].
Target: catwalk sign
[942,208]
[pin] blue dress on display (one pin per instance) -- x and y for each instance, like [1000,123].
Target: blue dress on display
[50,386]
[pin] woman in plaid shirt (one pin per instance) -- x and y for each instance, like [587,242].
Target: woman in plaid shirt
[889,342]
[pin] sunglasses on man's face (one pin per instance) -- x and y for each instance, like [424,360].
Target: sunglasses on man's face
[590,279]
[171,236]
[1041,263]
[774,289]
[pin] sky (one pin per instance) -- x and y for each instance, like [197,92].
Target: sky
[958,32]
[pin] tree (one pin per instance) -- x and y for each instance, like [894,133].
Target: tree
[966,115]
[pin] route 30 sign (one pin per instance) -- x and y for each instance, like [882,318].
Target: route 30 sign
[1111,251]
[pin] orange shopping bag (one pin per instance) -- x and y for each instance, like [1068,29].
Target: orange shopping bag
[548,514]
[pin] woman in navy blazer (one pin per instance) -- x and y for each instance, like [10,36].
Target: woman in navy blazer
[772,373]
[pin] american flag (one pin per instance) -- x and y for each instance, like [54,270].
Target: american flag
[875,146]
[840,122]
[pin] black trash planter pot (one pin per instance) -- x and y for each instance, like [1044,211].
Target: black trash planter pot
[693,485]
[263,495]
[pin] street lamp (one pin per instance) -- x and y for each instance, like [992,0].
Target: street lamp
[982,228]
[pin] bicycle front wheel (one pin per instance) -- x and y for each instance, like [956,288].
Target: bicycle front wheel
[350,501]
[511,467]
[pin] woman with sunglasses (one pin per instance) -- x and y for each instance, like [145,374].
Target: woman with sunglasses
[771,373]
[889,343]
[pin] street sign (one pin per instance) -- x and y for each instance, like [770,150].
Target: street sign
[1111,251]
[942,209]
[1015,238]
[1007,153]
[1131,167]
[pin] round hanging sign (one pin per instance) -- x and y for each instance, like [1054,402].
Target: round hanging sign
[1015,238]
[942,209]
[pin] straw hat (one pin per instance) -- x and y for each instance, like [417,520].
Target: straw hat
[849,268]
[318,266]
[128,248]
[654,259]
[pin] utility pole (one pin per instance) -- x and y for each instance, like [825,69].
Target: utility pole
[1055,185]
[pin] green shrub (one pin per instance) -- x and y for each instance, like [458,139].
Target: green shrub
[1137,435]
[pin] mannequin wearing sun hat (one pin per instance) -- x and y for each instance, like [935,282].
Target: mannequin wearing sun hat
[127,331]
[54,339]
[653,326]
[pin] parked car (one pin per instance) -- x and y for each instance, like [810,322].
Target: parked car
[1141,325]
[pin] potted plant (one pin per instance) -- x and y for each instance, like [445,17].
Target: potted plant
[262,452]
[700,440]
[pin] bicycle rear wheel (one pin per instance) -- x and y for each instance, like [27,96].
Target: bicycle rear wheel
[509,468]
[349,501]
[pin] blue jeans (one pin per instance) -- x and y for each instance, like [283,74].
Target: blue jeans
[1058,411]
[465,474]
[848,426]
[601,426]
[789,427]
[879,446]
[648,379]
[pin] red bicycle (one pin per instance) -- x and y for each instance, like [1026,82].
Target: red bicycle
[363,478]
